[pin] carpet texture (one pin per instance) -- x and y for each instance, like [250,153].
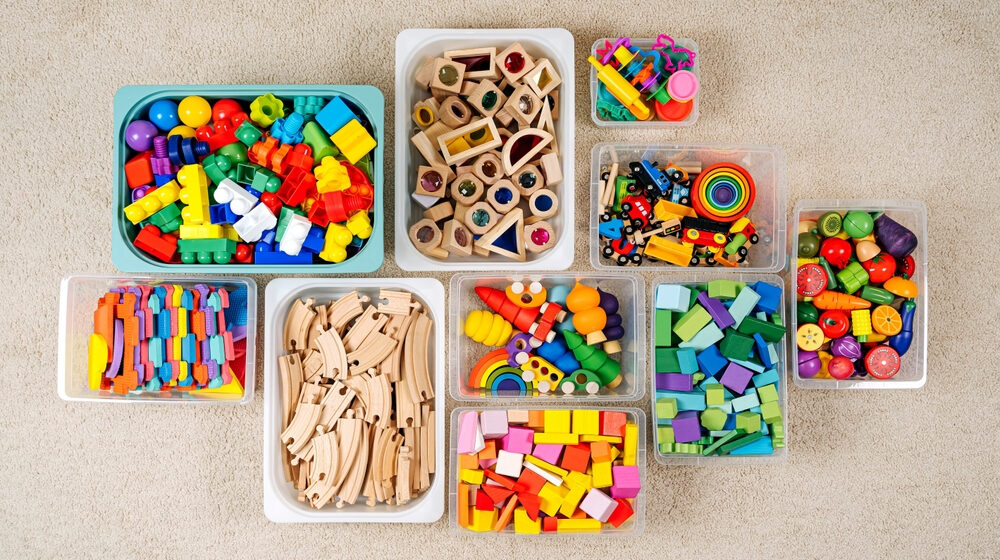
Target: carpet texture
[881,100]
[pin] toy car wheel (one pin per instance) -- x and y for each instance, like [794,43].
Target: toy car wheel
[626,207]
[637,223]
[754,238]
[605,217]
[622,260]
[742,252]
[636,258]
[710,260]
[694,261]
[686,201]
[607,252]
[629,229]
[605,176]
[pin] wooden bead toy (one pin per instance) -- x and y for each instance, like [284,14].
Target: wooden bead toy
[243,173]
[679,214]
[486,134]
[538,350]
[534,471]
[861,268]
[357,400]
[717,364]
[183,341]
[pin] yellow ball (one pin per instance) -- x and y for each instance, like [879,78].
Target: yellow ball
[194,111]
[182,131]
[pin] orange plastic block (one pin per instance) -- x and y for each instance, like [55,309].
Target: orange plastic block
[497,494]
[576,457]
[536,418]
[613,423]
[490,451]
[600,451]
[505,516]
[466,461]
[502,480]
[531,481]
[463,504]
[550,524]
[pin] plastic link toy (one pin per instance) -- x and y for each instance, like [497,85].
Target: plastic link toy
[275,181]
[557,339]
[636,84]
[717,367]
[856,297]
[487,139]
[546,471]
[680,213]
[168,338]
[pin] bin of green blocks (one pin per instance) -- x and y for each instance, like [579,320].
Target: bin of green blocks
[719,350]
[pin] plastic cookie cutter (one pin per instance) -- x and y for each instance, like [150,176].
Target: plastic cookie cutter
[677,58]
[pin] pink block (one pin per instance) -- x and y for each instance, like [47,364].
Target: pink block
[470,438]
[548,452]
[626,482]
[487,463]
[598,505]
[518,440]
[493,423]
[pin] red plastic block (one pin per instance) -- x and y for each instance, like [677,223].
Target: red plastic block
[296,185]
[531,504]
[550,524]
[139,170]
[613,423]
[497,493]
[531,481]
[483,501]
[576,457]
[621,513]
[163,246]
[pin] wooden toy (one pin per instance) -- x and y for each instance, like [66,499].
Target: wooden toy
[554,470]
[489,121]
[357,400]
[426,237]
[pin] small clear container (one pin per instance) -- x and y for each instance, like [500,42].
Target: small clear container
[911,214]
[780,454]
[645,43]
[766,164]
[78,297]
[465,352]
[633,527]
[413,47]
[281,503]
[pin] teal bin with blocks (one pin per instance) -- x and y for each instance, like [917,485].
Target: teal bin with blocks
[363,255]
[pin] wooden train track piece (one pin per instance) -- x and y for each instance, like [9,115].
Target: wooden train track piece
[345,310]
[334,355]
[375,348]
[296,332]
[369,322]
[395,302]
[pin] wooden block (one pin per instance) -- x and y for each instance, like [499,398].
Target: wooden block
[488,167]
[514,145]
[434,131]
[481,218]
[454,112]
[460,211]
[539,236]
[543,78]
[431,180]
[467,189]
[552,169]
[448,75]
[552,100]
[439,212]
[503,196]
[426,148]
[517,416]
[425,112]
[546,123]
[507,237]
[523,105]
[509,57]
[480,63]
[486,98]
[426,237]
[504,117]
[457,238]
[477,137]
[543,203]
[424,73]
[528,179]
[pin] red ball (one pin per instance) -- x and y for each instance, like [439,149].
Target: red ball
[836,251]
[840,367]
[225,109]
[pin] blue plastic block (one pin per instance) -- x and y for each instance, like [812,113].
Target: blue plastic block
[688,361]
[289,129]
[612,229]
[222,214]
[760,447]
[765,352]
[161,180]
[730,423]
[685,401]
[673,297]
[314,240]
[711,360]
[770,296]
[706,337]
[334,116]
[766,378]
[752,366]
[189,347]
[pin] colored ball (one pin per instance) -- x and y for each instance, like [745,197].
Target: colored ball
[858,224]
[194,111]
[181,130]
[139,135]
[163,113]
[225,109]
[840,367]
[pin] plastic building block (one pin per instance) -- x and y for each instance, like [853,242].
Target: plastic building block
[206,251]
[253,225]
[239,200]
[265,109]
[295,233]
[353,141]
[288,130]
[154,201]
[334,116]
[338,237]
[673,297]
[139,170]
[153,242]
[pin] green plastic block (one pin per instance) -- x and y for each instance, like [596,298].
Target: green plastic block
[743,304]
[768,330]
[666,408]
[265,180]
[664,327]
[771,411]
[664,448]
[730,435]
[666,361]
[736,346]
[665,435]
[767,393]
[705,338]
[245,173]
[713,419]
[745,440]
[691,322]
[697,377]
[722,289]
[168,219]
[749,422]
[714,395]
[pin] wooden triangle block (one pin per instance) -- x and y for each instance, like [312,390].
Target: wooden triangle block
[497,493]
[507,237]
[531,503]
[546,123]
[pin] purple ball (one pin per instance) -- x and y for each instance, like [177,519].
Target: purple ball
[139,135]
[809,363]
[846,346]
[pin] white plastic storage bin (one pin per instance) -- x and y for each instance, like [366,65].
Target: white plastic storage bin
[766,164]
[695,278]
[413,47]
[631,528]
[78,297]
[645,43]
[911,214]
[465,352]
[280,498]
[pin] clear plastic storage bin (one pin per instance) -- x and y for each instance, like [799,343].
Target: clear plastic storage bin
[695,278]
[465,352]
[413,47]
[909,213]
[78,297]
[281,503]
[645,43]
[633,527]
[766,164]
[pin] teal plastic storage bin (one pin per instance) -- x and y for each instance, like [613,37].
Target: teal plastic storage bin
[131,102]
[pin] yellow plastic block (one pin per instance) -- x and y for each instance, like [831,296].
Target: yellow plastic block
[229,232]
[153,202]
[194,194]
[587,525]
[579,480]
[353,141]
[224,392]
[615,453]
[609,439]
[601,473]
[359,224]
[523,525]
[560,439]
[97,361]
[572,499]
[471,476]
[587,422]
[178,291]
[631,442]
[331,176]
[338,237]
[182,327]
[483,521]
[551,497]
[557,421]
[546,465]
[202,231]
[182,367]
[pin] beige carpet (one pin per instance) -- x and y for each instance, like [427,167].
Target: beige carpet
[867,100]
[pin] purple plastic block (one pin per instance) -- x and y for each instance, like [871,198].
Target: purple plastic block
[118,348]
[493,423]
[736,378]
[626,482]
[548,452]
[239,332]
[717,310]
[676,382]
[686,427]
